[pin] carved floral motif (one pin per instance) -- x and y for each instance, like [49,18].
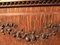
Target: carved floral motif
[8,28]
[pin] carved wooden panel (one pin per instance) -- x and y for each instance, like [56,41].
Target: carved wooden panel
[43,23]
[30,25]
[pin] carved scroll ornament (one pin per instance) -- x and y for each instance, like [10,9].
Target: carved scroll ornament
[8,28]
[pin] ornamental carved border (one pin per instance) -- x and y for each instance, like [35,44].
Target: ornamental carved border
[10,29]
[29,3]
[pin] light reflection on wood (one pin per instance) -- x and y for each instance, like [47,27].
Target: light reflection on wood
[16,0]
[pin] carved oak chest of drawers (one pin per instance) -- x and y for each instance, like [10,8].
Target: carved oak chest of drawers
[30,22]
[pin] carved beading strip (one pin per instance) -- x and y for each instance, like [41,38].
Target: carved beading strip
[29,3]
[8,28]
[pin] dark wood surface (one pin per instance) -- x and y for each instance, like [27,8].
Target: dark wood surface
[30,19]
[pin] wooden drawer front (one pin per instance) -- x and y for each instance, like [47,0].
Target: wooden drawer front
[30,23]
[44,21]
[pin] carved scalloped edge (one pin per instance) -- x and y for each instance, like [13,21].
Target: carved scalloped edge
[29,3]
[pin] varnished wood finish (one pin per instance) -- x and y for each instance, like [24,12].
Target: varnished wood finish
[34,18]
